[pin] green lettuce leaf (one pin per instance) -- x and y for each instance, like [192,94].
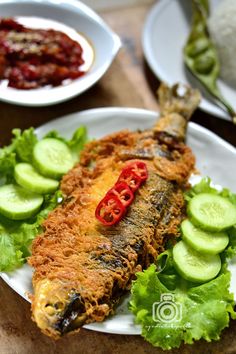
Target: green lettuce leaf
[230,251]
[16,236]
[7,164]
[55,135]
[195,311]
[172,310]
[10,257]
[205,186]
[24,143]
[77,141]
[20,149]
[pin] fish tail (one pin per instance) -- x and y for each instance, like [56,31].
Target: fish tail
[177,104]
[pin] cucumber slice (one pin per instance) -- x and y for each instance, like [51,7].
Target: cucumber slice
[212,212]
[17,203]
[194,266]
[27,177]
[52,158]
[203,241]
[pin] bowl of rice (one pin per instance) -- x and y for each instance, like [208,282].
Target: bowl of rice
[222,28]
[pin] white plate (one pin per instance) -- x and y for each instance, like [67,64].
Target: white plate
[71,17]
[215,158]
[164,35]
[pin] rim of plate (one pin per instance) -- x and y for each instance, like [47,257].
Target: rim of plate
[101,113]
[64,93]
[156,10]
[130,110]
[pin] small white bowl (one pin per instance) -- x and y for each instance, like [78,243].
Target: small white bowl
[70,16]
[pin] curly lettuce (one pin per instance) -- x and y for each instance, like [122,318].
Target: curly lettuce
[195,311]
[172,310]
[16,236]
[24,143]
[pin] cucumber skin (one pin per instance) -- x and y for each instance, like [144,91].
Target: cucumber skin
[196,247]
[205,226]
[23,214]
[33,187]
[192,278]
[39,165]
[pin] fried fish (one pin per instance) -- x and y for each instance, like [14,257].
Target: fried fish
[82,267]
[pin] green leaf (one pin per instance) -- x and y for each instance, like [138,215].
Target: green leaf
[16,236]
[230,251]
[204,186]
[20,149]
[77,141]
[10,258]
[195,311]
[202,311]
[55,135]
[24,143]
[7,164]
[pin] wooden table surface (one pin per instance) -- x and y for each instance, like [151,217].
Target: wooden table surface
[128,83]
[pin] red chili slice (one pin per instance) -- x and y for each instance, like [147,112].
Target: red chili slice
[130,178]
[139,168]
[123,192]
[113,206]
[110,210]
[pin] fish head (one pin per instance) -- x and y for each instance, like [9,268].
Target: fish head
[56,308]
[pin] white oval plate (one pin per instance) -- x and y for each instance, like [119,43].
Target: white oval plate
[215,158]
[71,17]
[164,35]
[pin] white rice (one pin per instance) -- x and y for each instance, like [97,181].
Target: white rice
[222,27]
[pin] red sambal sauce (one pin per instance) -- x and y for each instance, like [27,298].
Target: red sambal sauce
[32,58]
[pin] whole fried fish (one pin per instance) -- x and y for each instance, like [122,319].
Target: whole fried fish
[82,267]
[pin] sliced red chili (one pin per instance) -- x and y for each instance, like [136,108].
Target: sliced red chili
[110,210]
[130,178]
[113,206]
[123,192]
[139,168]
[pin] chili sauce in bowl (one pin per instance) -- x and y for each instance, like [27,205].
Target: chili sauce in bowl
[37,52]
[54,52]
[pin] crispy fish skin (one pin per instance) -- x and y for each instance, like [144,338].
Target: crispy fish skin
[82,267]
